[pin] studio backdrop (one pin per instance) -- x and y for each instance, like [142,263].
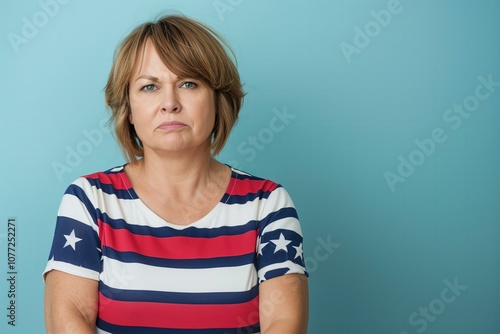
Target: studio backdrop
[380,117]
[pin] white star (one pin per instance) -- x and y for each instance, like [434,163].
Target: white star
[261,247]
[71,240]
[299,251]
[281,243]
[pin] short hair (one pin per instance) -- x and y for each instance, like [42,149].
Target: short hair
[189,49]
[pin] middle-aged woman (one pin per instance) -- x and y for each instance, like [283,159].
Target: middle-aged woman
[175,241]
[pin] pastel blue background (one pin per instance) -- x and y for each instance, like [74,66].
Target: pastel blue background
[350,120]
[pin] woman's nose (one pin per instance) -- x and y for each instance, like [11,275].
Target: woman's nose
[170,101]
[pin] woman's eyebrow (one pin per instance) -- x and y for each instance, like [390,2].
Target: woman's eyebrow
[149,77]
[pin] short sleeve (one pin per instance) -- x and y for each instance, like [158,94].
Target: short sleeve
[280,241]
[76,246]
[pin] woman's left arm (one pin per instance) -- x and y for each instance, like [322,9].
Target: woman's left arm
[284,305]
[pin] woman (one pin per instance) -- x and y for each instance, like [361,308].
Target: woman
[175,241]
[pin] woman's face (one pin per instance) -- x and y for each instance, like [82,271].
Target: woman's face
[170,114]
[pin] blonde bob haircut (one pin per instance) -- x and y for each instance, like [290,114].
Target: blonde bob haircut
[189,49]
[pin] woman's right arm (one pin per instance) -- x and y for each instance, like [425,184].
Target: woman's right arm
[70,303]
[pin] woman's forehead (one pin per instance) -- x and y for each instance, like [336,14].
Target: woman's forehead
[150,62]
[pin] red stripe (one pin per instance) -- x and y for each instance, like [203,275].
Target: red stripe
[237,187]
[117,181]
[181,316]
[179,247]
[249,186]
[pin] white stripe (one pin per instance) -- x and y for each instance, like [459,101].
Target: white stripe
[137,213]
[287,223]
[70,269]
[278,199]
[72,207]
[136,276]
[240,172]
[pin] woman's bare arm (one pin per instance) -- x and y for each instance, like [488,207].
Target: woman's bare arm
[70,303]
[284,305]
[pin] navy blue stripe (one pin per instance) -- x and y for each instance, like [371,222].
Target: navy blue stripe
[166,231]
[288,234]
[269,254]
[130,193]
[276,273]
[247,176]
[242,199]
[132,257]
[110,190]
[277,215]
[179,297]
[105,326]
[86,253]
[78,192]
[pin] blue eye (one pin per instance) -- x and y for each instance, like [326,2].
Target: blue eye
[149,88]
[189,85]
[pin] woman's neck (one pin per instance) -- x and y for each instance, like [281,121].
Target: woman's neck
[182,177]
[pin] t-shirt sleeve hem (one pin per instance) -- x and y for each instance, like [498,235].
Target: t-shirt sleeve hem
[70,269]
[269,275]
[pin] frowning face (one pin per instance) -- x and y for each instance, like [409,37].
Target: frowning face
[170,114]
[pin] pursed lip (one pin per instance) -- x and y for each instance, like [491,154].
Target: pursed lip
[173,125]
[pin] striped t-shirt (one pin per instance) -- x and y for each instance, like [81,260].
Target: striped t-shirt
[157,277]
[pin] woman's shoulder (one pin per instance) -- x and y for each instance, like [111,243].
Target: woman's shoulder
[111,172]
[244,175]
[249,188]
[112,178]
[253,183]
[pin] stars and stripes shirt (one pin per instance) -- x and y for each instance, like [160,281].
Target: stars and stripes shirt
[157,277]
